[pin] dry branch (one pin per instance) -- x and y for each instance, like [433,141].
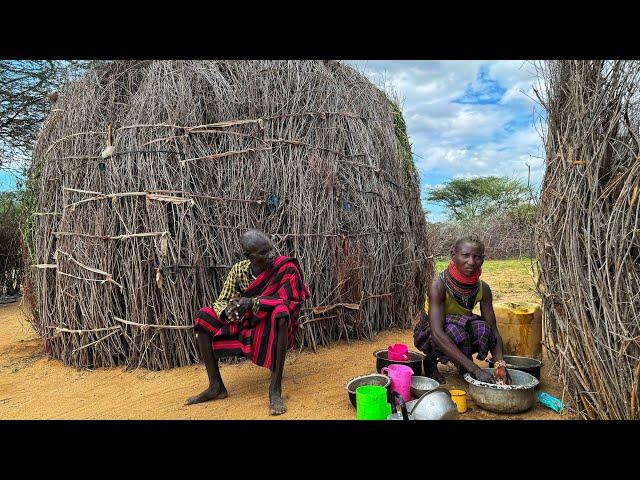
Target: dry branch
[587,233]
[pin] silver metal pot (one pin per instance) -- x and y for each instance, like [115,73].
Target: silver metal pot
[421,385]
[433,405]
[524,364]
[515,398]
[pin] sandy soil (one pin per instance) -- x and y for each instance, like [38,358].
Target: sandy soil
[33,386]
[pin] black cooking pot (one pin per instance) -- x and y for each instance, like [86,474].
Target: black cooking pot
[414,361]
[525,364]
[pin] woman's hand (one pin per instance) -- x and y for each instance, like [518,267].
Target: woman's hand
[483,375]
[501,375]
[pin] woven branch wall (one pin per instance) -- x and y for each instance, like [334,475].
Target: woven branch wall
[588,233]
[147,174]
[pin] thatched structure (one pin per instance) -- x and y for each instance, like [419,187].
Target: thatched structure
[588,233]
[11,264]
[148,172]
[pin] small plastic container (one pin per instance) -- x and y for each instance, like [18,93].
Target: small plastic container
[371,403]
[459,397]
[400,376]
[550,401]
[398,351]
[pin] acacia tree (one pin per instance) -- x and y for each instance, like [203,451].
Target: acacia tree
[470,198]
[27,90]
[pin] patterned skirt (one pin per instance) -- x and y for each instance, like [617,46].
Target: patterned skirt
[470,333]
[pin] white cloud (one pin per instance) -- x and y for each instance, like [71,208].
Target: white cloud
[519,79]
[470,123]
[417,81]
[461,139]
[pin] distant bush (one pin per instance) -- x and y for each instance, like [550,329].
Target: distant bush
[11,262]
[505,235]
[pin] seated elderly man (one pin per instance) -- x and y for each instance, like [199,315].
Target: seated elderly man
[448,330]
[254,316]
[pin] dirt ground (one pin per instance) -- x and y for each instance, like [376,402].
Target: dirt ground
[33,386]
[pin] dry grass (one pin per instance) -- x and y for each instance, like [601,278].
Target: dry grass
[510,280]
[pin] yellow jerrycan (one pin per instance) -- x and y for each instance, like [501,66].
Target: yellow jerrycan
[520,326]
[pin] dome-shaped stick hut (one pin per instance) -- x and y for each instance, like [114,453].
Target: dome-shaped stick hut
[147,173]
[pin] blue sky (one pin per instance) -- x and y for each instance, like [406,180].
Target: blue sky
[465,118]
[7,180]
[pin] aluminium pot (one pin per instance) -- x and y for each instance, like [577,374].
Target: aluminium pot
[515,398]
[370,379]
[433,405]
[529,365]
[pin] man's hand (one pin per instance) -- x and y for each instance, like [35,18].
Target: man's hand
[237,307]
[231,310]
[244,305]
[483,375]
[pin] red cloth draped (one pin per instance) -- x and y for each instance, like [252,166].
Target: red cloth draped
[280,291]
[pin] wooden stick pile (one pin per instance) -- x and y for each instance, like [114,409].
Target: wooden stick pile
[149,172]
[588,233]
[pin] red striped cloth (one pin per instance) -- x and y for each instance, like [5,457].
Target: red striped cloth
[280,291]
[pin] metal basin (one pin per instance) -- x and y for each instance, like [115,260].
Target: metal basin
[524,364]
[433,405]
[371,379]
[399,414]
[421,385]
[515,398]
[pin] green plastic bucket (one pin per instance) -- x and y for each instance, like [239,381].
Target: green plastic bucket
[371,403]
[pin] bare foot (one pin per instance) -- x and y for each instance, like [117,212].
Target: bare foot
[209,394]
[276,404]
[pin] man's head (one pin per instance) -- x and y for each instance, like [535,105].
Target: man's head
[468,255]
[258,248]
